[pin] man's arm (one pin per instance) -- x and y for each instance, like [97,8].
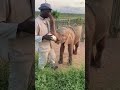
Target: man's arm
[38,37]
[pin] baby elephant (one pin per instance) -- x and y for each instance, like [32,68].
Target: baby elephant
[69,36]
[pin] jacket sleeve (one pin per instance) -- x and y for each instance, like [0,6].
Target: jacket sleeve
[38,38]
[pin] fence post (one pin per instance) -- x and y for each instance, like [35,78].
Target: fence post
[69,21]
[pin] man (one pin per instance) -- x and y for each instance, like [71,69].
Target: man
[20,51]
[42,28]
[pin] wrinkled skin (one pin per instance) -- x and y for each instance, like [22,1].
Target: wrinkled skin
[96,33]
[28,26]
[62,38]
[72,46]
[90,28]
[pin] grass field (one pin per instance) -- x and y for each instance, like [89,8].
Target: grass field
[65,15]
[68,19]
[70,79]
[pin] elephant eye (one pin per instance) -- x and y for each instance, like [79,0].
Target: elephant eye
[62,35]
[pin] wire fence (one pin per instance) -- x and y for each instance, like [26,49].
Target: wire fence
[71,22]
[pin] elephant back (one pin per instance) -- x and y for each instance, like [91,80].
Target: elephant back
[66,35]
[77,31]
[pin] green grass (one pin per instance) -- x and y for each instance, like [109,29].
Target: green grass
[71,79]
[61,79]
[65,15]
[75,18]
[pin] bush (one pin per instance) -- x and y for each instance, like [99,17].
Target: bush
[56,14]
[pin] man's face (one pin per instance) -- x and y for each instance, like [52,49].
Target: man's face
[45,13]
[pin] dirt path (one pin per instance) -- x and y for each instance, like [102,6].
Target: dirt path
[78,60]
[108,77]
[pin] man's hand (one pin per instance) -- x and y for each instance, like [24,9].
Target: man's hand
[47,37]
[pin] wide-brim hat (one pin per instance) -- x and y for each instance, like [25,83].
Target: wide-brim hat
[45,6]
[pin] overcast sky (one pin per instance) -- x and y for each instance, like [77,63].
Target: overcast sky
[56,4]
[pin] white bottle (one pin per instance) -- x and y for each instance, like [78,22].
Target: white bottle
[53,37]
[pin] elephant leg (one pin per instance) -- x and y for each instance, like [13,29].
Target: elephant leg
[61,53]
[70,51]
[100,47]
[76,47]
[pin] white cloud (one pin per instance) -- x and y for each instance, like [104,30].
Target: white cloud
[57,4]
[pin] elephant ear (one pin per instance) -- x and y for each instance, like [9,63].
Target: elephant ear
[61,38]
[61,32]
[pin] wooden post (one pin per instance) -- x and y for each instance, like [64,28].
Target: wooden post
[69,21]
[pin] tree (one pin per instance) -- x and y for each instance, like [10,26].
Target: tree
[56,14]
